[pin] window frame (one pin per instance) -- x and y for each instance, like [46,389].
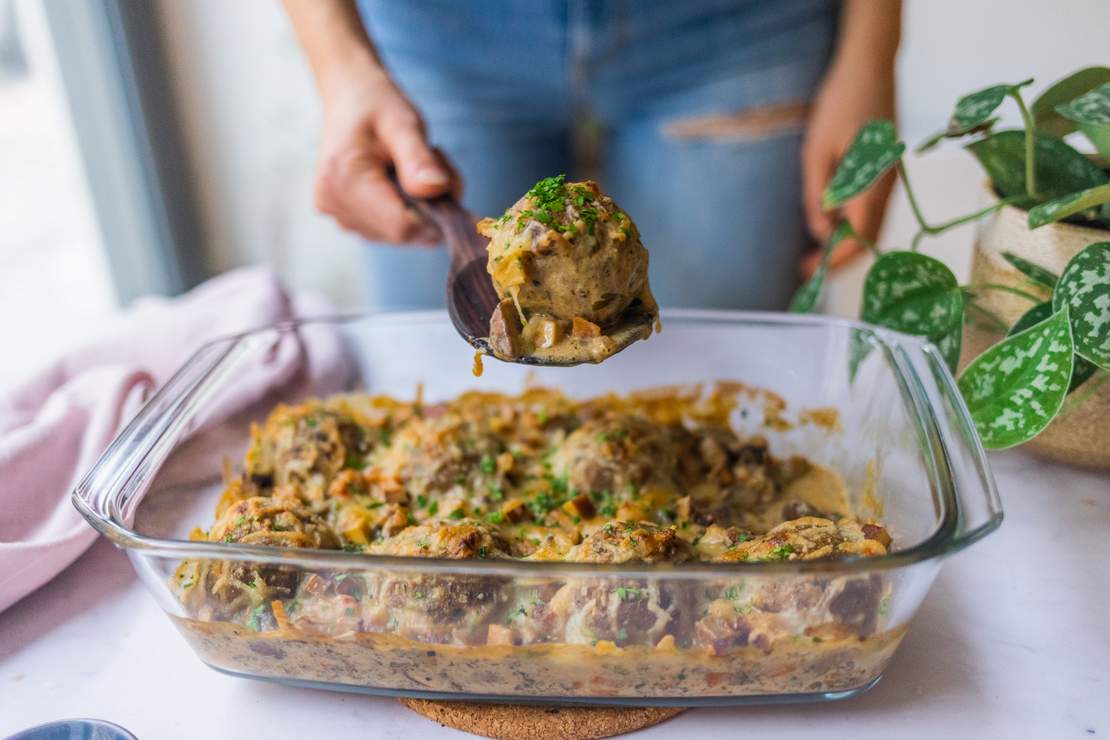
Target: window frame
[114,75]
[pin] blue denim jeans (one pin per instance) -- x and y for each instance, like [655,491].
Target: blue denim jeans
[671,91]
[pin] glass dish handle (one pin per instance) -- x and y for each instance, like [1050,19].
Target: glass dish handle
[105,495]
[980,509]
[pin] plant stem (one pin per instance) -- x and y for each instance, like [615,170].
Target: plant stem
[1004,289]
[867,243]
[998,323]
[930,229]
[1030,144]
[972,216]
[912,198]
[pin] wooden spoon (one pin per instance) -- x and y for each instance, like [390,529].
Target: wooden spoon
[471,299]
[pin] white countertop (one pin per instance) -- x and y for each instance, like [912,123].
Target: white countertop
[1013,641]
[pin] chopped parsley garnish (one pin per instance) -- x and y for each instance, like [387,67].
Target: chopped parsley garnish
[496,493]
[541,504]
[354,463]
[782,552]
[457,513]
[255,620]
[606,503]
[629,593]
[421,501]
[488,464]
[495,517]
[884,606]
[352,547]
[589,216]
[558,484]
[434,508]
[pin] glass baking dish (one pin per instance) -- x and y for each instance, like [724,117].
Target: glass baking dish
[794,630]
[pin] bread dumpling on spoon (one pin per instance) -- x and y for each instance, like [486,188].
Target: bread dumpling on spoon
[571,273]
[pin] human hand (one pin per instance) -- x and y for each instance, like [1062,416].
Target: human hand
[852,93]
[370,128]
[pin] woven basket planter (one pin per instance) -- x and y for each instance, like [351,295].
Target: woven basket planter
[1082,435]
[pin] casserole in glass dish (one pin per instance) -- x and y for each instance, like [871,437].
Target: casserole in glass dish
[878,408]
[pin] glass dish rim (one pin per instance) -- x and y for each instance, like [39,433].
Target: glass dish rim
[943,541]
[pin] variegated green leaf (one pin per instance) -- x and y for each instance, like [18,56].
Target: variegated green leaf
[1091,112]
[1091,107]
[931,142]
[874,151]
[912,293]
[949,345]
[859,347]
[1084,287]
[1036,273]
[1045,118]
[972,114]
[1099,134]
[974,109]
[1081,368]
[1069,205]
[1015,388]
[1061,170]
[1033,316]
[939,136]
[805,300]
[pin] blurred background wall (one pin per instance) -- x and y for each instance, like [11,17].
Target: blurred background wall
[247,116]
[252,116]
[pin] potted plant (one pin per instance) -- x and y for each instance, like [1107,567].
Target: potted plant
[1034,323]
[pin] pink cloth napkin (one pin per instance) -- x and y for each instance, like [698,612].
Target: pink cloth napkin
[54,426]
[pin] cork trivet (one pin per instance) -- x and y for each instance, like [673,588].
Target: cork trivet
[518,722]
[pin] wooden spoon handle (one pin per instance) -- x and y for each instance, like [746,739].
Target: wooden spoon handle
[453,221]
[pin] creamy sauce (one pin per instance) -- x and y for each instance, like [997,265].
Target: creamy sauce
[793,665]
[578,350]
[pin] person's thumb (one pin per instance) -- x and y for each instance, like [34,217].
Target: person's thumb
[420,172]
